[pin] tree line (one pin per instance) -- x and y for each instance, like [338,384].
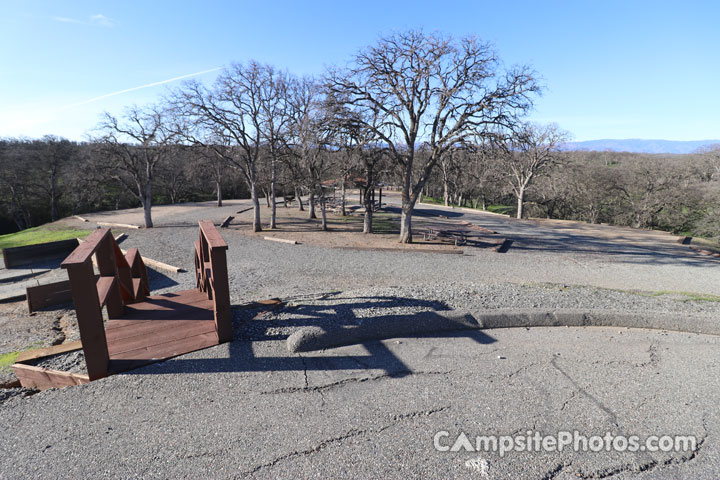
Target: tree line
[429,114]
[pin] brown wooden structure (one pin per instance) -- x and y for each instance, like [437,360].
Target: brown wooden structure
[140,328]
[29,254]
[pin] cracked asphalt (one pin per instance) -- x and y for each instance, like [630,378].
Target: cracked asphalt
[251,409]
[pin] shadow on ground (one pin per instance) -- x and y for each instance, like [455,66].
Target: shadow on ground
[253,325]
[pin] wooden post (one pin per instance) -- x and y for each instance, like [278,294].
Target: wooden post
[380,199]
[105,257]
[212,248]
[223,317]
[89,317]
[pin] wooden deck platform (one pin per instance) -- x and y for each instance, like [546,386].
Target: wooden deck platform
[140,329]
[162,326]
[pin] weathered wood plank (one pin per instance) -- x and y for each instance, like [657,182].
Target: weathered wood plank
[170,349]
[31,376]
[153,333]
[47,295]
[227,221]
[151,262]
[190,312]
[29,254]
[47,351]
[89,316]
[104,285]
[119,225]
[221,295]
[211,234]
[86,249]
[281,240]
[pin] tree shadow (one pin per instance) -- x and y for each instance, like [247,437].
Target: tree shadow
[259,324]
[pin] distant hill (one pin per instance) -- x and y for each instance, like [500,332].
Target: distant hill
[641,146]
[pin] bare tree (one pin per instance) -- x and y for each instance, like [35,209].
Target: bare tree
[531,150]
[275,118]
[135,144]
[360,145]
[54,154]
[433,92]
[227,120]
[311,134]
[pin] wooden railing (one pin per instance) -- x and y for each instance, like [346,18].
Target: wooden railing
[122,279]
[211,276]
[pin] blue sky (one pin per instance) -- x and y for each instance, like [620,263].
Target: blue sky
[613,69]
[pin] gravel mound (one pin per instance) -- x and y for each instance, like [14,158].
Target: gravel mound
[73,362]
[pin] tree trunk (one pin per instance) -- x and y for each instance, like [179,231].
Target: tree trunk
[446,192]
[323,213]
[256,208]
[53,196]
[408,204]
[299,199]
[273,199]
[367,221]
[148,214]
[147,204]
[520,203]
[311,205]
[406,224]
[219,194]
[342,200]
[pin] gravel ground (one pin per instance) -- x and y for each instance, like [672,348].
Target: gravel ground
[20,331]
[347,307]
[249,409]
[73,362]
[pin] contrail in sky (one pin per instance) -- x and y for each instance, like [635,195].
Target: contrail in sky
[154,84]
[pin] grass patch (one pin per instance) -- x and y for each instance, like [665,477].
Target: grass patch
[504,209]
[7,359]
[699,297]
[690,296]
[43,234]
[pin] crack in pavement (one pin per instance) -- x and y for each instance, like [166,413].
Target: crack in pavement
[555,471]
[568,400]
[347,381]
[611,415]
[644,467]
[521,369]
[350,434]
[649,463]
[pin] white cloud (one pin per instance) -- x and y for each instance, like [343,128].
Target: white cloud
[98,19]
[102,20]
[67,20]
